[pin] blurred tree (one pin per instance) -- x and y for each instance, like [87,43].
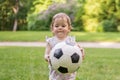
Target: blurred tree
[90,18]
[15,10]
[79,12]
[38,6]
[97,12]
[5,15]
[13,14]
[43,19]
[110,15]
[88,15]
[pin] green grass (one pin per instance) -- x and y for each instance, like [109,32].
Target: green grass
[22,63]
[40,36]
[27,63]
[23,36]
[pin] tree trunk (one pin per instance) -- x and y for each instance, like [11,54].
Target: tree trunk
[15,10]
[15,25]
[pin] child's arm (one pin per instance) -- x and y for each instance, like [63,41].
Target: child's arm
[82,50]
[47,52]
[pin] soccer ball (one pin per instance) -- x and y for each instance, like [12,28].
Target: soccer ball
[65,57]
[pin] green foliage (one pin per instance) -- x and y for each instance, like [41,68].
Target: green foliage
[78,22]
[86,15]
[44,18]
[33,17]
[110,15]
[102,11]
[7,15]
[109,26]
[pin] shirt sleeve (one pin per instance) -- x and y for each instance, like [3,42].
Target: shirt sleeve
[71,40]
[50,40]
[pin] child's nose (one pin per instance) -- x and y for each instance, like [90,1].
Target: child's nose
[60,27]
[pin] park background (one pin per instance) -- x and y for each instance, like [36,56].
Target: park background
[36,15]
[29,21]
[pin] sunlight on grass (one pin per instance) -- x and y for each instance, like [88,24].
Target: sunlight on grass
[100,64]
[27,63]
[41,35]
[22,63]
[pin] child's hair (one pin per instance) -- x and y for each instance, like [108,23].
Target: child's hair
[62,15]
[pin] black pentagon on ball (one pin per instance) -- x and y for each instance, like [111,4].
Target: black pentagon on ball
[63,69]
[58,53]
[75,58]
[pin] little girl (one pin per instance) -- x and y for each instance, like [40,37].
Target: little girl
[60,27]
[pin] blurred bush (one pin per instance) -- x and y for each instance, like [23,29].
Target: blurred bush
[109,26]
[86,15]
[43,20]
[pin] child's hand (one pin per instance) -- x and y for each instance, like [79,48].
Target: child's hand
[83,54]
[82,50]
[46,57]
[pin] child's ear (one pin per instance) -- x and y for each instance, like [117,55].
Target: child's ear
[52,31]
[69,30]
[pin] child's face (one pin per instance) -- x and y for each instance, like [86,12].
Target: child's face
[60,28]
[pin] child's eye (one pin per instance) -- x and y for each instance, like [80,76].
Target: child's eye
[63,26]
[56,26]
